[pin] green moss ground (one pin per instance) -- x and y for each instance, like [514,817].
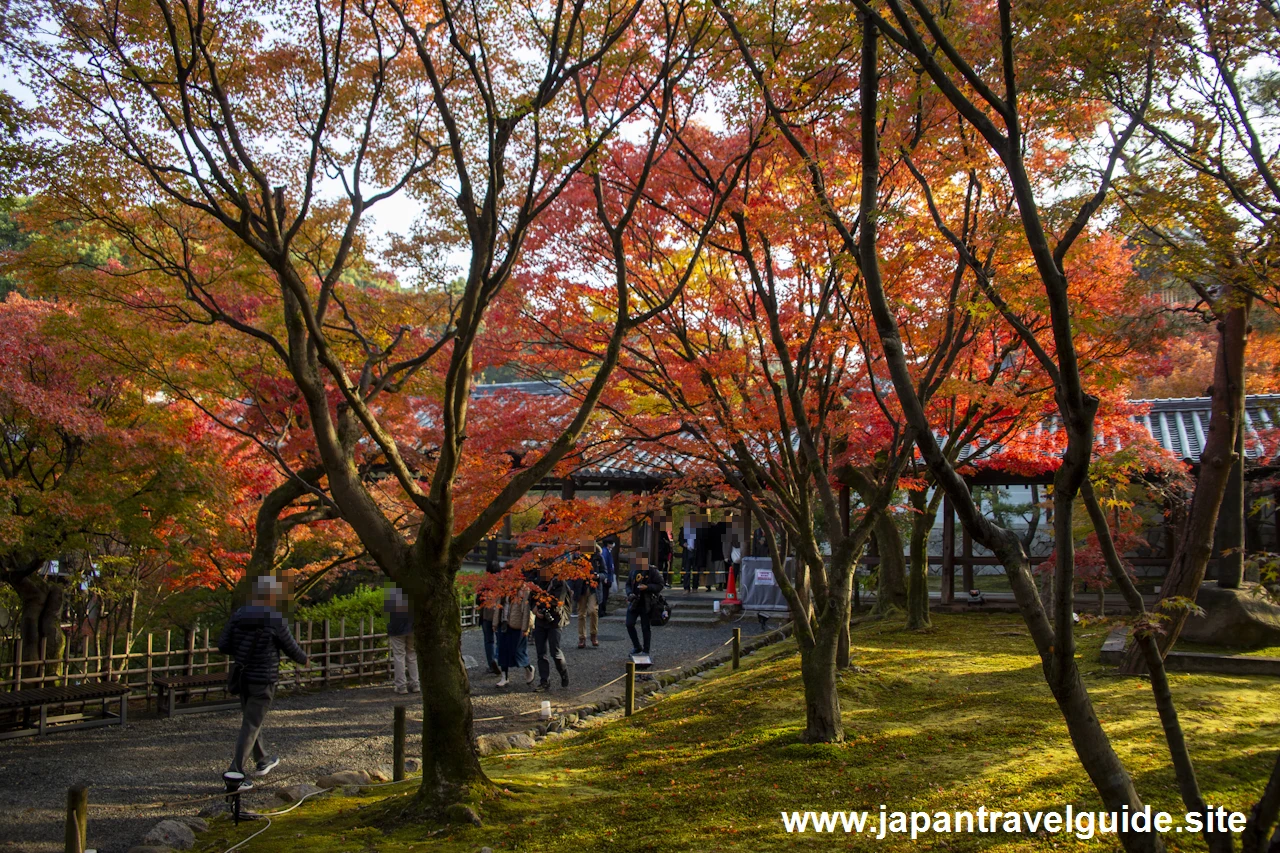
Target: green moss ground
[948,719]
[1265,651]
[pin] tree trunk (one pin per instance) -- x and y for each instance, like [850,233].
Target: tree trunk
[1195,545]
[39,621]
[1232,518]
[918,579]
[451,773]
[267,529]
[891,589]
[822,723]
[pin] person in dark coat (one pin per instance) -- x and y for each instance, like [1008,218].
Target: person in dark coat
[551,613]
[666,555]
[254,638]
[643,585]
[404,656]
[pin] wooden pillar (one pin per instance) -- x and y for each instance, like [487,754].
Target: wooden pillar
[507,549]
[567,490]
[966,554]
[948,551]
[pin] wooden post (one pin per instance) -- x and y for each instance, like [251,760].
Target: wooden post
[65,672]
[948,552]
[737,646]
[326,653]
[149,678]
[189,655]
[397,746]
[966,555]
[508,549]
[631,688]
[77,818]
[342,648]
[44,650]
[17,662]
[311,650]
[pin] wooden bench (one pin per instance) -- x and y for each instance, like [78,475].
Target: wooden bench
[43,697]
[169,686]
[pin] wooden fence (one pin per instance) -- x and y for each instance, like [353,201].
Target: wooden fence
[339,652]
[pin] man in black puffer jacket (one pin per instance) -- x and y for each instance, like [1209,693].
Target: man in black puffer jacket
[254,638]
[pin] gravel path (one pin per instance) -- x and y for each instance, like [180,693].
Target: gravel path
[157,768]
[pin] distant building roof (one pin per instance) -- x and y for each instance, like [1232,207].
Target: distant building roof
[1180,424]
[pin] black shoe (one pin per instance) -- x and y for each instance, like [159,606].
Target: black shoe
[265,767]
[542,687]
[494,668]
[564,678]
[635,652]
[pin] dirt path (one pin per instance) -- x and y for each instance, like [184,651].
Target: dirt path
[156,768]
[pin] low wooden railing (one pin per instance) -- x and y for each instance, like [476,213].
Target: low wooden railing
[339,652]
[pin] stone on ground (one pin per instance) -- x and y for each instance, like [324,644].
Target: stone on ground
[520,740]
[343,778]
[171,833]
[198,824]
[1243,618]
[294,793]
[491,744]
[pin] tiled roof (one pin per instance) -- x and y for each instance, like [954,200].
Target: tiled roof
[1180,424]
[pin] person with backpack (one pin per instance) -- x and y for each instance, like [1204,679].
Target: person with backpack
[404,657]
[510,622]
[548,598]
[643,586]
[254,637]
[587,593]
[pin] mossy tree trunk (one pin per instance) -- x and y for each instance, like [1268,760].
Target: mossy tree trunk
[891,586]
[451,772]
[918,577]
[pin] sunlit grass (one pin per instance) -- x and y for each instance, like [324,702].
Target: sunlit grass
[949,719]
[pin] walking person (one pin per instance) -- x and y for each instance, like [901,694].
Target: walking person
[253,638]
[687,540]
[404,656]
[666,554]
[587,593]
[550,615]
[511,623]
[643,586]
[611,571]
[487,622]
[735,560]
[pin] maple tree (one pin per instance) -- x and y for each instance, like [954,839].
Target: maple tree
[248,159]
[1203,204]
[90,462]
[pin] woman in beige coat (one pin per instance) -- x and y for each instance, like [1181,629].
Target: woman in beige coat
[512,622]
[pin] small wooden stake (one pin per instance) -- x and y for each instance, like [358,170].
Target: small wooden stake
[737,646]
[397,748]
[77,818]
[631,687]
